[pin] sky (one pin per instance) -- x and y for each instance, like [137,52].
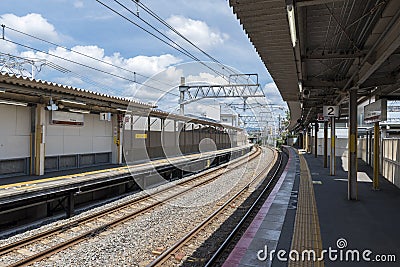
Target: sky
[142,66]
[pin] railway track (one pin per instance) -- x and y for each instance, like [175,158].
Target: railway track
[178,252]
[47,243]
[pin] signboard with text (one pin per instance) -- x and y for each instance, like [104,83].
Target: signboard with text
[331,111]
[376,111]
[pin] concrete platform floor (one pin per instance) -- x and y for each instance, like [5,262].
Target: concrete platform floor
[372,222]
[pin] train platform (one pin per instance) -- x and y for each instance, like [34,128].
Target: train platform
[65,191]
[61,178]
[308,215]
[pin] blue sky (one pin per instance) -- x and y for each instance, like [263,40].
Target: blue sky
[90,28]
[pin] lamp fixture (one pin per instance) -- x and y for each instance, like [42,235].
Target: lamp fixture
[73,102]
[300,86]
[13,103]
[52,106]
[2,91]
[79,111]
[292,24]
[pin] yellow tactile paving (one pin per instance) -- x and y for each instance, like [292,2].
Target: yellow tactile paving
[307,233]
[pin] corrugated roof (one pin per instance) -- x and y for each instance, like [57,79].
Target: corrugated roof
[266,25]
[55,87]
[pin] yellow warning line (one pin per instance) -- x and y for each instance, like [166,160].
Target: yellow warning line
[307,233]
[51,179]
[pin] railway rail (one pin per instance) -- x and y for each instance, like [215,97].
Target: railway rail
[25,251]
[187,244]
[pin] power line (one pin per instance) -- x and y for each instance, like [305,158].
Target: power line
[162,21]
[64,70]
[85,55]
[176,46]
[89,67]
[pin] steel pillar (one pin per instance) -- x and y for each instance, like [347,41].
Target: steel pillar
[307,140]
[310,142]
[332,170]
[367,148]
[375,185]
[40,136]
[352,155]
[325,144]
[316,139]
[70,204]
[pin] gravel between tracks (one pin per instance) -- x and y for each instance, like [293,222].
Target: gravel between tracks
[132,243]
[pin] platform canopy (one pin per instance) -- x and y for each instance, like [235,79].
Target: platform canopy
[24,91]
[318,50]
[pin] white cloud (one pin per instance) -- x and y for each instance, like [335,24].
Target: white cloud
[78,4]
[272,94]
[32,23]
[7,47]
[196,31]
[144,65]
[206,78]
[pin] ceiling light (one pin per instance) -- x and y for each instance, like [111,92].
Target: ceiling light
[300,86]
[13,103]
[2,91]
[79,111]
[292,24]
[73,102]
[52,106]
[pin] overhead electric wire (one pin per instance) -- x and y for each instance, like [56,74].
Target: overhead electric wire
[162,21]
[85,55]
[86,66]
[180,49]
[92,68]
[183,51]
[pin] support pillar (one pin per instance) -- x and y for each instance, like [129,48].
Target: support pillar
[332,164]
[370,149]
[39,144]
[117,124]
[70,204]
[307,138]
[352,156]
[176,141]
[325,144]
[182,89]
[311,140]
[375,185]
[316,139]
[367,148]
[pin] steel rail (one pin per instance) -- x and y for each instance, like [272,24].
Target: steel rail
[63,245]
[235,231]
[180,243]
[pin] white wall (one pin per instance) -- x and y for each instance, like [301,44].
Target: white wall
[15,122]
[94,136]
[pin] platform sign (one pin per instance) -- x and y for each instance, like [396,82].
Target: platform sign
[140,136]
[331,111]
[105,116]
[320,117]
[376,111]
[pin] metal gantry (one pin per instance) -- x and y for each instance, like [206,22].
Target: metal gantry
[191,93]
[20,66]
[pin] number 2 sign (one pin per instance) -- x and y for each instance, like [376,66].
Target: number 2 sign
[331,111]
